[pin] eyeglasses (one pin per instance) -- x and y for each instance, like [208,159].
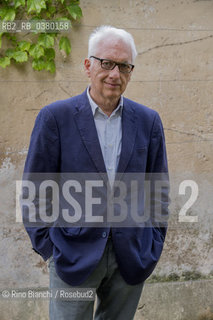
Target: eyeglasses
[110,65]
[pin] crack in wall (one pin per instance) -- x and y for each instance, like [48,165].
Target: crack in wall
[69,95]
[189,141]
[175,44]
[200,137]
[132,81]
[201,0]
[41,93]
[184,132]
[156,28]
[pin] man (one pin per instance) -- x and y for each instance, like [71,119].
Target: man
[100,131]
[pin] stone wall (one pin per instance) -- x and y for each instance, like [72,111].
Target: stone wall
[173,75]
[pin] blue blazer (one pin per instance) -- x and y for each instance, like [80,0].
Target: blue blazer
[64,139]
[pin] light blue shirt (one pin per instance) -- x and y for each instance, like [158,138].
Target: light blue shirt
[109,129]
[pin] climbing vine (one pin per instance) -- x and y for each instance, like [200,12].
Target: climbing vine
[44,23]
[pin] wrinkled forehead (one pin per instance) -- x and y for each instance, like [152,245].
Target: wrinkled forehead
[114,48]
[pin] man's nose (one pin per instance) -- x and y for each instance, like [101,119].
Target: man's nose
[115,73]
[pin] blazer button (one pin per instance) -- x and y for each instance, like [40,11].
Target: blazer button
[104,234]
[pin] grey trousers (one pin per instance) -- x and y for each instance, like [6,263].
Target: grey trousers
[116,300]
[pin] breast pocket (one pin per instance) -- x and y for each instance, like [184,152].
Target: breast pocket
[139,159]
[73,231]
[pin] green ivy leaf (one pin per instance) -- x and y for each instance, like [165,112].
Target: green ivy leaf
[49,54]
[62,1]
[12,38]
[64,45]
[41,64]
[63,19]
[75,11]
[2,12]
[19,3]
[20,56]
[38,64]
[35,18]
[4,62]
[24,45]
[10,52]
[35,5]
[50,66]
[36,51]
[46,40]
[51,10]
[7,14]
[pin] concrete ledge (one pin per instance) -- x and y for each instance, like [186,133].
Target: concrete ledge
[159,301]
[175,300]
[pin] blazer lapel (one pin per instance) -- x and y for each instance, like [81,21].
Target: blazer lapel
[129,130]
[86,125]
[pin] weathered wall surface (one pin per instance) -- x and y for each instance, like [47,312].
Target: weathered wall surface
[173,75]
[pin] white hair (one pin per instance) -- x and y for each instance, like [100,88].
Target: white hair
[103,32]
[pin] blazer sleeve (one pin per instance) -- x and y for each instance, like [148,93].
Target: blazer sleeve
[43,157]
[157,168]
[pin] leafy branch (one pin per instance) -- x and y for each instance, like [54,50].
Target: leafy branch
[40,49]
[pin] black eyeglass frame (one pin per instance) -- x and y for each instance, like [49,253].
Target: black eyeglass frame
[115,64]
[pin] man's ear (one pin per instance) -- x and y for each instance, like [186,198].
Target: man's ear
[87,65]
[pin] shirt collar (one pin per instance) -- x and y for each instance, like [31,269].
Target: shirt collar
[95,107]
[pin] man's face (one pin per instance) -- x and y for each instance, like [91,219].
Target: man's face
[108,84]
